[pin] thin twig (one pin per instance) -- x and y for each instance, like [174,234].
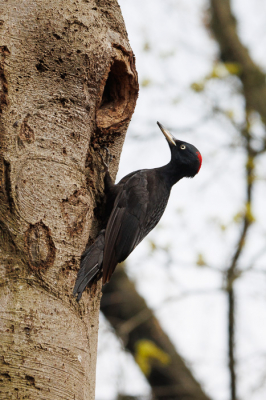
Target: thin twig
[232,272]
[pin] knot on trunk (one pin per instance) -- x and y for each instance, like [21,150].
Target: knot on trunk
[26,132]
[40,246]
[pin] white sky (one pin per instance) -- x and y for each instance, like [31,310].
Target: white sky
[174,50]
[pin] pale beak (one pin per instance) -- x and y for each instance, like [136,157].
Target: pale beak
[169,137]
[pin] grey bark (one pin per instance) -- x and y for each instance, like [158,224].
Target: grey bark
[68,88]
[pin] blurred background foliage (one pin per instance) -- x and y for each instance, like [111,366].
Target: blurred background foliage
[191,307]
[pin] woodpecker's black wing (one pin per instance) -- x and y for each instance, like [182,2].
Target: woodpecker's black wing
[90,264]
[137,209]
[124,226]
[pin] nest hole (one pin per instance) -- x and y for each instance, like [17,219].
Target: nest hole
[118,98]
[115,86]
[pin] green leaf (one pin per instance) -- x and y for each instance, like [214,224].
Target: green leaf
[233,68]
[146,82]
[197,86]
[146,352]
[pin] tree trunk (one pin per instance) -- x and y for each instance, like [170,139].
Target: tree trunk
[68,88]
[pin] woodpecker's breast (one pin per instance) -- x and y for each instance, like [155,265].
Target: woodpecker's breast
[158,199]
[155,215]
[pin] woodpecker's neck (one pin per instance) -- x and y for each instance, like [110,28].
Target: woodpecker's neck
[170,173]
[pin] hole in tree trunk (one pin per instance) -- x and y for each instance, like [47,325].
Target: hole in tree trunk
[118,95]
[114,90]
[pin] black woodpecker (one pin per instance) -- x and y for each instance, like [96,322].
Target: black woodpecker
[133,207]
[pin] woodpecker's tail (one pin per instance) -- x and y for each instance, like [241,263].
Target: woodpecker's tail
[90,264]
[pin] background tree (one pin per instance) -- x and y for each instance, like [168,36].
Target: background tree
[202,74]
[253,79]
[142,335]
[68,88]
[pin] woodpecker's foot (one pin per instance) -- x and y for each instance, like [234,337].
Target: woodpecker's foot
[108,160]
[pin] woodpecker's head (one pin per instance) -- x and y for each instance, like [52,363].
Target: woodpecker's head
[186,156]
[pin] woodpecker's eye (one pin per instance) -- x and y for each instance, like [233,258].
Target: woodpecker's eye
[182,147]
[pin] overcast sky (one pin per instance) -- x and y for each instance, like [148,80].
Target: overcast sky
[173,51]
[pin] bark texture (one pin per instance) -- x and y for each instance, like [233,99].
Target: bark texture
[68,88]
[142,335]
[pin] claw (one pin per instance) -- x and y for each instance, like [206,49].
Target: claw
[108,159]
